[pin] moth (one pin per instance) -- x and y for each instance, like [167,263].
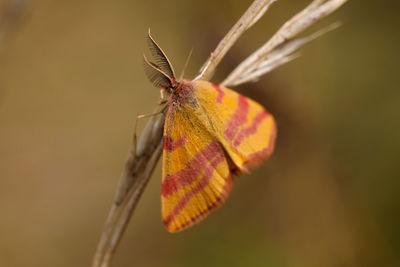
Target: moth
[211,133]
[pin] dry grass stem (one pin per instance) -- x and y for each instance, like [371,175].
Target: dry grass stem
[133,199]
[251,16]
[254,67]
[138,168]
[274,52]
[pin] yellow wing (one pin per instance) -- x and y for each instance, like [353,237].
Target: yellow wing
[244,128]
[196,175]
[209,132]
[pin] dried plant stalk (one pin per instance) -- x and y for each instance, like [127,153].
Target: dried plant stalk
[144,156]
[254,67]
[317,10]
[251,16]
[138,168]
[133,199]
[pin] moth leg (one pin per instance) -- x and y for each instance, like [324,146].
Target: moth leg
[152,114]
[142,116]
[163,97]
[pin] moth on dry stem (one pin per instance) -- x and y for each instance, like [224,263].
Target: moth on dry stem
[145,153]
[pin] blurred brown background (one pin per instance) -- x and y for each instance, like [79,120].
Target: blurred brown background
[71,84]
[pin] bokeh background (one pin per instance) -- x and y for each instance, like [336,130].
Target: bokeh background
[71,84]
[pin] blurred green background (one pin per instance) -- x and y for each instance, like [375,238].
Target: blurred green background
[71,84]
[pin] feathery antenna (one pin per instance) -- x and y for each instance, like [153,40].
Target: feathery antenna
[160,57]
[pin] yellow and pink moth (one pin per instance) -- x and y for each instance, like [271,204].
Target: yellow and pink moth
[210,134]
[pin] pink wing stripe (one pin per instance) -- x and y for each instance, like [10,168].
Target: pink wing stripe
[252,129]
[192,170]
[238,118]
[266,152]
[171,145]
[220,93]
[208,173]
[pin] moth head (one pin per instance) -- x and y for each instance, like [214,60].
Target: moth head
[159,71]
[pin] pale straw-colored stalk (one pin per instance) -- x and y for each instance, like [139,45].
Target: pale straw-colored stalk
[277,50]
